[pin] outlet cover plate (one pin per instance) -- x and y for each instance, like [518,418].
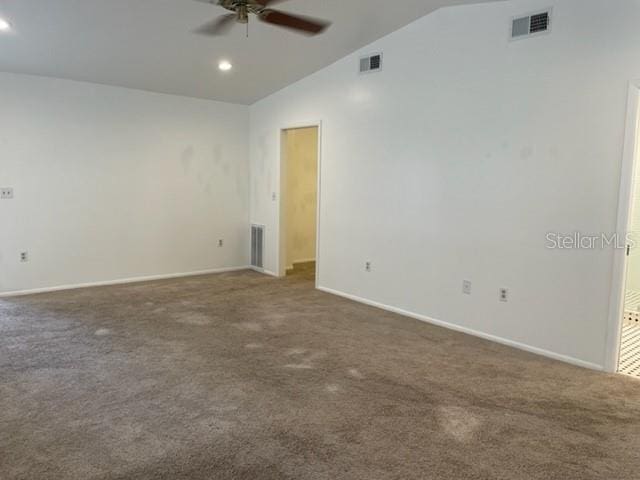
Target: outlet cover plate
[503,295]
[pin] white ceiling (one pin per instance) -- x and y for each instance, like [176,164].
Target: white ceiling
[148,44]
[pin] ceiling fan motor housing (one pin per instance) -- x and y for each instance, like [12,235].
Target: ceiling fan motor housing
[243,14]
[242,8]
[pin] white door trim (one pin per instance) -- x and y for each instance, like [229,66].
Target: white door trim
[618,280]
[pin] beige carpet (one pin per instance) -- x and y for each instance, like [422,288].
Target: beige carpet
[242,376]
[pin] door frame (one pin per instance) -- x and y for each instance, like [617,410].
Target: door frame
[282,242]
[620,259]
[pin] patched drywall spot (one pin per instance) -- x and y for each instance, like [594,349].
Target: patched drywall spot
[459,423]
[355,373]
[263,153]
[526,152]
[102,332]
[332,388]
[242,188]
[299,366]
[187,158]
[217,153]
[253,346]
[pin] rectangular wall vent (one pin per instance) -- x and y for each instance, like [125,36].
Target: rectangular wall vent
[257,246]
[371,63]
[535,24]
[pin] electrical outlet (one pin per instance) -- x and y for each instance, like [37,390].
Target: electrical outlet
[466,287]
[503,295]
[6,193]
[24,256]
[274,197]
[220,243]
[367,266]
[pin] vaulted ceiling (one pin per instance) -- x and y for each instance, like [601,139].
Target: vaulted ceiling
[149,44]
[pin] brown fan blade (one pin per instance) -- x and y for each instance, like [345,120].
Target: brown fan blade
[266,3]
[214,2]
[311,26]
[218,26]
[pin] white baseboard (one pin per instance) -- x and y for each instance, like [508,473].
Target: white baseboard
[121,281]
[262,270]
[469,331]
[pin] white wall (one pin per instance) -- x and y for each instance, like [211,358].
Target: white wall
[301,160]
[459,157]
[113,183]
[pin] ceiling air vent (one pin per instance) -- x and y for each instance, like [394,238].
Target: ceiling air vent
[535,24]
[371,63]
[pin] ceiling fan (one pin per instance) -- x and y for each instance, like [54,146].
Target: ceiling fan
[242,9]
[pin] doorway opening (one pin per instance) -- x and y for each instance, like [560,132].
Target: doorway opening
[299,194]
[623,348]
[629,361]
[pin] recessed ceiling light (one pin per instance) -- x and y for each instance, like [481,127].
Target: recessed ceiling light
[225,66]
[4,25]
